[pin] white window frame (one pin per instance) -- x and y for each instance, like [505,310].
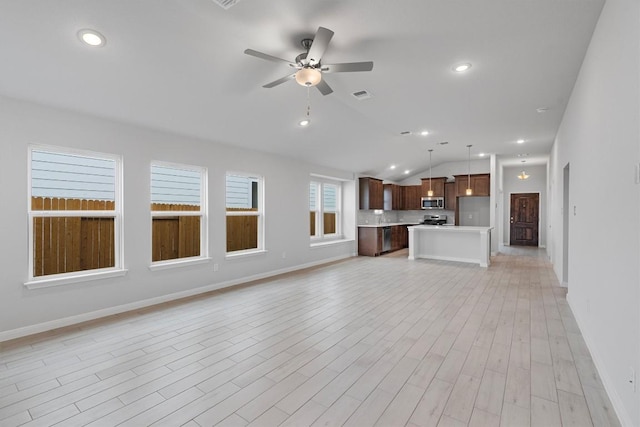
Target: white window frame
[319,235]
[118,269]
[259,213]
[202,213]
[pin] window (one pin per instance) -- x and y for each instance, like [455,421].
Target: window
[324,208]
[75,213]
[178,212]
[245,216]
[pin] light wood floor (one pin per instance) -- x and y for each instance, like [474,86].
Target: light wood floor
[368,341]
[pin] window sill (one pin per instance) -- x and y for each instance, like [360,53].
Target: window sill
[244,254]
[174,263]
[69,278]
[323,243]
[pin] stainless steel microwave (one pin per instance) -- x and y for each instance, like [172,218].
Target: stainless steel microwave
[432,203]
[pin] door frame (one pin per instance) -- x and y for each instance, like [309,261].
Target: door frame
[538,208]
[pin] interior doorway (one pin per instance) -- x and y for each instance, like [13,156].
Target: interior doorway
[524,219]
[565,225]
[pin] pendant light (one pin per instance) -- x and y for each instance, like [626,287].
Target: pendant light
[469,191]
[430,192]
[523,175]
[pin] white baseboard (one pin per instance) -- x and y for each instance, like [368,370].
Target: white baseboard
[84,317]
[618,407]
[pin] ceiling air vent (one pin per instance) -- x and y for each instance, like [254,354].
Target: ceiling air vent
[226,4]
[361,94]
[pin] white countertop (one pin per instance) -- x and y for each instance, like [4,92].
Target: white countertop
[387,224]
[458,228]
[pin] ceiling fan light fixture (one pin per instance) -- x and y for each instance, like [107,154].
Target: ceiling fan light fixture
[308,76]
[304,122]
[523,175]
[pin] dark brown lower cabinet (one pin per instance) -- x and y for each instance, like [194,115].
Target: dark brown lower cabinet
[370,239]
[399,237]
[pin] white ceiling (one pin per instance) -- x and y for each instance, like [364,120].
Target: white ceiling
[178,65]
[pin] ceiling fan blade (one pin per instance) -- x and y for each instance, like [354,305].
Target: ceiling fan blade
[324,88]
[347,67]
[261,55]
[280,81]
[319,45]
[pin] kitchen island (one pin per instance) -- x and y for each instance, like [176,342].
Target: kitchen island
[451,243]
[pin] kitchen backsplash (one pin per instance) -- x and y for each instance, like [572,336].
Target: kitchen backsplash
[369,217]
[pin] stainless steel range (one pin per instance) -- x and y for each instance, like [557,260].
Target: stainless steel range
[434,219]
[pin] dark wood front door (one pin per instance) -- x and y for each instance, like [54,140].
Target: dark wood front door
[524,219]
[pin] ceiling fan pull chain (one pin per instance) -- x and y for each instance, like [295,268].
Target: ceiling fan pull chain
[308,102]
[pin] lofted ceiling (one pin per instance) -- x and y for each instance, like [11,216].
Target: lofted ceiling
[178,66]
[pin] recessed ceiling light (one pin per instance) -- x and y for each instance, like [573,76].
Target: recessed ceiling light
[407,172]
[92,38]
[461,68]
[304,122]
[424,133]
[392,167]
[520,141]
[542,109]
[481,154]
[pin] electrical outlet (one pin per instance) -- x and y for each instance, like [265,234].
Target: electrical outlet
[632,379]
[215,267]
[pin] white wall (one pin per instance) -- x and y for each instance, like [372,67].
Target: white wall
[450,169]
[286,206]
[600,138]
[537,183]
[474,211]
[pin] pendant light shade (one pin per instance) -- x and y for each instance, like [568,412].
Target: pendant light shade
[523,175]
[430,192]
[469,191]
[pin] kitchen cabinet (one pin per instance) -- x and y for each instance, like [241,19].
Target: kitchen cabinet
[396,237]
[369,241]
[437,185]
[371,193]
[480,184]
[412,196]
[450,196]
[392,197]
[399,237]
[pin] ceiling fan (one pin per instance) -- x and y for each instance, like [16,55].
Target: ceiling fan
[308,64]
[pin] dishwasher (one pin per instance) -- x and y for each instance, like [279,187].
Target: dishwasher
[386,239]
